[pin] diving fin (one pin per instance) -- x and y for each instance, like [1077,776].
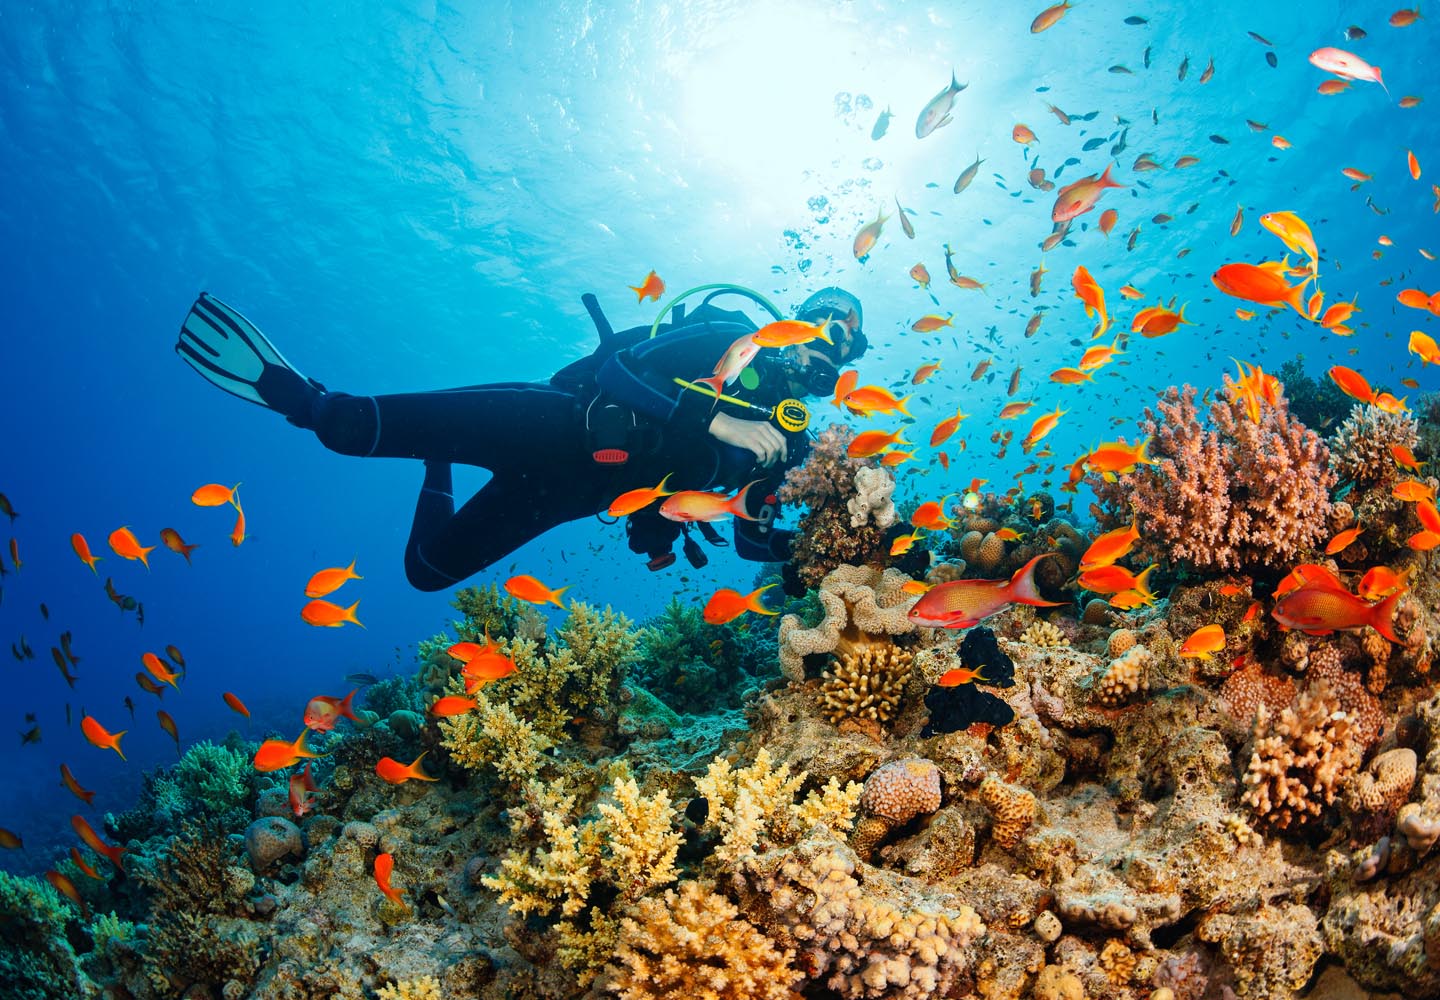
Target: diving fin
[230,352]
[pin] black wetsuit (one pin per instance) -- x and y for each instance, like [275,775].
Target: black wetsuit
[533,437]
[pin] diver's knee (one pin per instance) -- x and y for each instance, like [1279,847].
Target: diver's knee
[422,576]
[347,424]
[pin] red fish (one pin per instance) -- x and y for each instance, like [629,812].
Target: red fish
[323,712]
[1079,197]
[725,605]
[159,671]
[327,581]
[68,780]
[452,705]
[92,840]
[384,867]
[127,546]
[1319,607]
[214,495]
[82,549]
[101,737]
[275,755]
[236,704]
[175,543]
[963,603]
[1204,642]
[396,773]
[629,502]
[303,791]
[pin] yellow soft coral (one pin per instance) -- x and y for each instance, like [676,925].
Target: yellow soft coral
[695,944]
[494,735]
[749,803]
[424,988]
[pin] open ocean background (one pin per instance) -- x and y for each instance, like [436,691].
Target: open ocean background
[414,195]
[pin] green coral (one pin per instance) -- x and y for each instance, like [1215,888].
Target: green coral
[1316,403]
[209,780]
[486,610]
[393,694]
[36,960]
[107,929]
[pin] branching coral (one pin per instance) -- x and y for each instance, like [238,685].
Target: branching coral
[209,780]
[695,944]
[755,803]
[825,484]
[36,960]
[1360,447]
[1122,677]
[1229,495]
[493,735]
[866,683]
[1301,759]
[424,988]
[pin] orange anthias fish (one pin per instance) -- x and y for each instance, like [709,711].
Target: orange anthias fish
[1119,457]
[651,288]
[843,385]
[1109,547]
[175,543]
[327,581]
[1412,490]
[725,605]
[214,495]
[1157,321]
[92,840]
[932,322]
[125,545]
[1319,607]
[1342,541]
[1108,218]
[1099,356]
[84,866]
[1048,17]
[1112,579]
[1346,65]
[323,614]
[384,866]
[945,429]
[1043,425]
[236,704]
[82,549]
[11,840]
[1079,197]
[737,358]
[1424,345]
[167,723]
[323,711]
[66,888]
[275,755]
[956,676]
[396,773]
[931,515]
[875,399]
[791,332]
[1414,298]
[303,791]
[452,705]
[869,235]
[903,543]
[1380,581]
[1012,410]
[1088,291]
[924,372]
[699,505]
[101,737]
[963,603]
[1203,642]
[629,502]
[1071,376]
[921,275]
[159,671]
[237,534]
[871,443]
[1352,383]
[68,780]
[488,665]
[1257,284]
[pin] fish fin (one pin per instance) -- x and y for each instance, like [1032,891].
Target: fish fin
[1382,616]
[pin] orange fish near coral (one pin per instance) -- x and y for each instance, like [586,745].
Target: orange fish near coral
[323,711]
[1203,643]
[324,614]
[327,581]
[92,840]
[1042,426]
[125,545]
[1257,284]
[396,773]
[101,737]
[275,755]
[84,866]
[303,791]
[725,605]
[1111,579]
[963,603]
[1109,547]
[1352,383]
[1319,607]
[175,543]
[1342,541]
[843,385]
[651,288]
[1411,490]
[931,515]
[871,443]
[1380,581]
[945,429]
[82,549]
[961,675]
[384,867]
[452,705]
[1119,457]
[68,780]
[699,505]
[66,888]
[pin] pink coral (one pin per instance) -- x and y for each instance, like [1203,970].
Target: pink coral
[824,484]
[1231,495]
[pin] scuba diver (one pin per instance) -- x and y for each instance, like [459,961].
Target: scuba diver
[626,417]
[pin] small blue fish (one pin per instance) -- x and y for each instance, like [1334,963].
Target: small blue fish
[1095,143]
[881,124]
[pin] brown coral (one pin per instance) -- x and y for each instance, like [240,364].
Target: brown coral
[825,484]
[1234,494]
[1122,677]
[865,683]
[862,606]
[695,944]
[1013,809]
[1301,759]
[1360,447]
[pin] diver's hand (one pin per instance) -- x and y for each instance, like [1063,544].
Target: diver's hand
[755,436]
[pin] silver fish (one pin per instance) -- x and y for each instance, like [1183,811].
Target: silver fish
[1119,147]
[905,225]
[968,175]
[937,112]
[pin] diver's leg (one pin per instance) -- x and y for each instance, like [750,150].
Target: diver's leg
[446,546]
[504,425]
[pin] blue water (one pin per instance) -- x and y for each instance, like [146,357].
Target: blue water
[414,195]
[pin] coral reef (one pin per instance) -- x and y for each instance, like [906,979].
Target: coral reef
[37,961]
[865,683]
[862,606]
[1301,759]
[1360,447]
[1232,495]
[826,485]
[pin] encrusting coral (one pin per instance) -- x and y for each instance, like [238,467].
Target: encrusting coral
[694,944]
[894,794]
[1234,494]
[861,606]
